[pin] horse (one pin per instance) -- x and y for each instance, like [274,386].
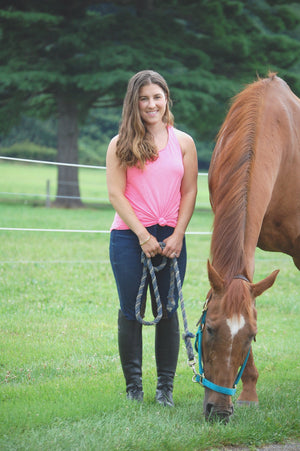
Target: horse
[254,188]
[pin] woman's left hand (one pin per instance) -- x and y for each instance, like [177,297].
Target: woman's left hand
[173,246]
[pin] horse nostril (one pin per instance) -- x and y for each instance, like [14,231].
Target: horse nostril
[209,408]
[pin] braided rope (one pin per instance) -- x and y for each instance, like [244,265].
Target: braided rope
[186,335]
[174,276]
[147,265]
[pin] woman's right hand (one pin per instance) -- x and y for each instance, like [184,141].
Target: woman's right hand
[151,246]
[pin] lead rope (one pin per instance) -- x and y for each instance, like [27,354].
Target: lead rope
[147,265]
[174,276]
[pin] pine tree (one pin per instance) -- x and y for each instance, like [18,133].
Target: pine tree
[60,59]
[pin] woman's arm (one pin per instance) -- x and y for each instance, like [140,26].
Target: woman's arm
[188,194]
[116,184]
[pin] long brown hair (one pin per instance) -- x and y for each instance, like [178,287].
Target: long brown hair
[135,146]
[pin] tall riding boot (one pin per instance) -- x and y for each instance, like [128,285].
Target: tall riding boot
[130,349]
[166,351]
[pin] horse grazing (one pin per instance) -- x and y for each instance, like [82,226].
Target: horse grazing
[254,189]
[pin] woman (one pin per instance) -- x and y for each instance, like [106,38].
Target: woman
[152,184]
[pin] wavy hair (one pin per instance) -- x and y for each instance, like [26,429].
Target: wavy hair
[135,146]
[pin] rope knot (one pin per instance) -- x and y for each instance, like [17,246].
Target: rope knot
[188,335]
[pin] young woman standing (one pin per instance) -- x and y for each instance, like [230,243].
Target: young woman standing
[152,184]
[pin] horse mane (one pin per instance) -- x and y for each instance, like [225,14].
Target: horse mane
[229,177]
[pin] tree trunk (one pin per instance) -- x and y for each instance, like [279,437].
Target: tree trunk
[68,193]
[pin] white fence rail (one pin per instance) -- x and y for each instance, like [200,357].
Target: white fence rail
[47,196]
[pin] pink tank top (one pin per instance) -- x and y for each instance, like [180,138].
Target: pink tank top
[154,193]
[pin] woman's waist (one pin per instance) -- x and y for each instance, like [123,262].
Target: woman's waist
[148,219]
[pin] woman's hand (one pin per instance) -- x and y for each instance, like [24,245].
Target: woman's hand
[173,246]
[151,246]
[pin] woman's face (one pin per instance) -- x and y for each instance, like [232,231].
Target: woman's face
[152,104]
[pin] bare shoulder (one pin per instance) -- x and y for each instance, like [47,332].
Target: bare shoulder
[185,140]
[182,135]
[112,145]
[111,154]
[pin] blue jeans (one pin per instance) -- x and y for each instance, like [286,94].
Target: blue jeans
[125,258]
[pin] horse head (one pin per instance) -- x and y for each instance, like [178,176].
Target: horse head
[230,327]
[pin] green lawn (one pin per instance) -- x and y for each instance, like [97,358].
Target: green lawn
[62,386]
[27,183]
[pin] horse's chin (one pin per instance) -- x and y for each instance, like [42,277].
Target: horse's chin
[220,409]
[220,414]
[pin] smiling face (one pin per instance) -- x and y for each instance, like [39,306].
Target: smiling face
[152,104]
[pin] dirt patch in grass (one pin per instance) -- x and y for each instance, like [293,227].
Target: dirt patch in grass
[295,446]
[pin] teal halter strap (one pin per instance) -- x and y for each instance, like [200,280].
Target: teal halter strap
[200,378]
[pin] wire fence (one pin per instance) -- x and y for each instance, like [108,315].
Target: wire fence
[47,195]
[59,230]
[27,229]
[54,163]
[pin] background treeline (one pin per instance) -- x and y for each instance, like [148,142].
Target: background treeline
[66,64]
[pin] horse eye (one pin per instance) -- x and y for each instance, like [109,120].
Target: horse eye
[252,337]
[210,330]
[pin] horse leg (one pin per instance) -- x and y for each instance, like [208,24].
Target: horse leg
[249,378]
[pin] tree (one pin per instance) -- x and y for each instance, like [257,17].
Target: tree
[60,59]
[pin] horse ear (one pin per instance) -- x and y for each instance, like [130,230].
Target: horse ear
[215,280]
[258,288]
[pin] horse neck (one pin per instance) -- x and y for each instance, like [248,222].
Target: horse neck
[239,218]
[246,166]
[231,177]
[232,253]
[239,215]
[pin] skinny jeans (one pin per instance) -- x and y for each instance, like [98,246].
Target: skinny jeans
[125,257]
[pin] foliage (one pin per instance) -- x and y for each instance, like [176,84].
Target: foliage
[101,125]
[95,134]
[29,150]
[86,51]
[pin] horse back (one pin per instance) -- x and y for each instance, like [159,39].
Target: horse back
[254,181]
[278,161]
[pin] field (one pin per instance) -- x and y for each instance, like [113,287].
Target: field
[62,386]
[27,183]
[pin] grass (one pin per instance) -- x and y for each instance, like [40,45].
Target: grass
[62,386]
[27,183]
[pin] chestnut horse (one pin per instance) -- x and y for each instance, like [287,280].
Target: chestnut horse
[254,188]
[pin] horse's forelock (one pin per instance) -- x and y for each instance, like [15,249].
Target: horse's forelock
[237,300]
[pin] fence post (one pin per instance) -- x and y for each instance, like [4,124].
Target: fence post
[48,203]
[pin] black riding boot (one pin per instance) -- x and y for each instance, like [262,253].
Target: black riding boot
[166,351]
[130,349]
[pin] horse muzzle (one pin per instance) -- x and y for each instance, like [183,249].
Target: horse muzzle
[214,412]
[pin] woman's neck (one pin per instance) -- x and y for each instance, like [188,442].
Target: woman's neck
[160,135]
